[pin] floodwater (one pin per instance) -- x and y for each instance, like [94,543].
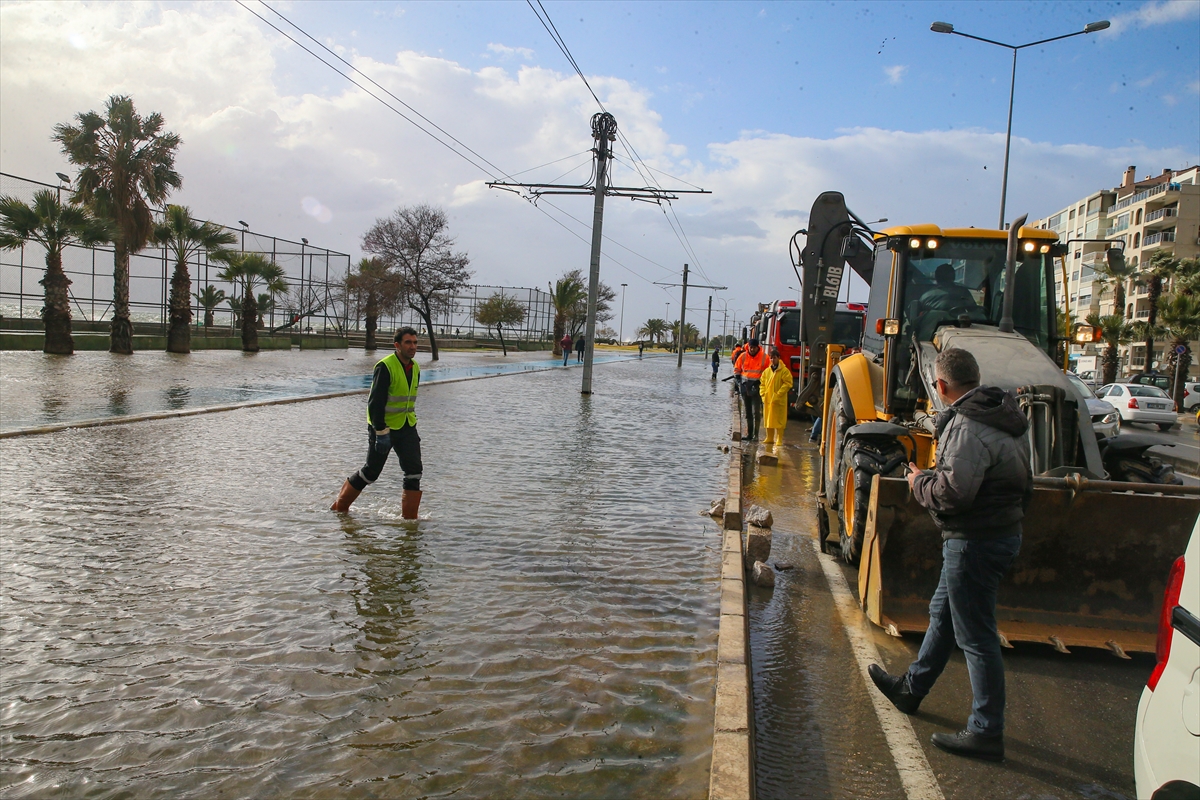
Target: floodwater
[182,615]
[41,389]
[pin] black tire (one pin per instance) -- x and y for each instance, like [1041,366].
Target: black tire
[854,493]
[831,467]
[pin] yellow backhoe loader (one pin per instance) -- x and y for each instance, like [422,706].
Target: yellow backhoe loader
[1097,548]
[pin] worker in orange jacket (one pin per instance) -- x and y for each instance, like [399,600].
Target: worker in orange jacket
[750,366]
[738,349]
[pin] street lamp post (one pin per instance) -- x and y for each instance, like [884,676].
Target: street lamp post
[946,27]
[621,334]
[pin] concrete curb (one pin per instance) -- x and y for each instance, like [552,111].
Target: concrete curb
[731,776]
[1182,464]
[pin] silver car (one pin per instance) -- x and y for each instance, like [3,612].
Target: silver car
[1137,403]
[1106,420]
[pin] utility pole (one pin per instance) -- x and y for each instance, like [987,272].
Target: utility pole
[604,131]
[621,333]
[708,326]
[683,309]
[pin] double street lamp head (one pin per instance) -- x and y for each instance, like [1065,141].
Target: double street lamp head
[1091,27]
[63,178]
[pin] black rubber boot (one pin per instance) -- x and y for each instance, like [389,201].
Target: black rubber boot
[894,688]
[971,745]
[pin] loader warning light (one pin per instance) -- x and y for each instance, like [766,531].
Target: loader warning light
[1044,248]
[914,244]
[931,244]
[887,327]
[1030,247]
[1084,333]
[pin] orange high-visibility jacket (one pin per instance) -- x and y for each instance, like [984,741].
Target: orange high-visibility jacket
[751,367]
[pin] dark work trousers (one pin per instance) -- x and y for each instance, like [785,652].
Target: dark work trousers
[752,400]
[407,444]
[963,609]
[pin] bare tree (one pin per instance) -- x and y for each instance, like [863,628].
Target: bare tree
[415,242]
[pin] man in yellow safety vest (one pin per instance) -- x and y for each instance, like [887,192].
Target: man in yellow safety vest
[391,425]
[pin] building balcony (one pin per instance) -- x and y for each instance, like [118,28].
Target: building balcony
[1152,192]
[1163,216]
[1118,227]
[1157,239]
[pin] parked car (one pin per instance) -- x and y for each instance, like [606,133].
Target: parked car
[1166,738]
[1191,394]
[1138,403]
[1151,379]
[1106,420]
[1088,376]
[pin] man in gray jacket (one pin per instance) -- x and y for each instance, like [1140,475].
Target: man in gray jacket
[977,496]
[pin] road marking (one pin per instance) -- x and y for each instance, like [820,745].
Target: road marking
[915,773]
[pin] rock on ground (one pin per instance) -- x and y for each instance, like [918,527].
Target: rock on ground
[757,515]
[763,575]
[758,544]
[717,509]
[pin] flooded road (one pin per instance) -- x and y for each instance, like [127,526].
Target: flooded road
[182,615]
[1069,718]
[40,389]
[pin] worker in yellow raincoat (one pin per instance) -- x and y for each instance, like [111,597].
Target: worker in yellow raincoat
[774,385]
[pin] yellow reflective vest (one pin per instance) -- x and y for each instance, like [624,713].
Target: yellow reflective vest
[402,398]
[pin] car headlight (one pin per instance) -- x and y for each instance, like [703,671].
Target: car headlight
[1109,419]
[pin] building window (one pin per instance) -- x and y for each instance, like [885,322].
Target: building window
[1055,221]
[1075,274]
[1137,218]
[1072,214]
[1093,205]
[1085,299]
[1078,253]
[1137,238]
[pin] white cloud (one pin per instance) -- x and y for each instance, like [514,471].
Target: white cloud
[325,164]
[506,52]
[1155,12]
[895,74]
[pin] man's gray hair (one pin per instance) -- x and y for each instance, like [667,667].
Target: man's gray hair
[958,368]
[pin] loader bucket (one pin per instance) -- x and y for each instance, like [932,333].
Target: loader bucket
[1093,565]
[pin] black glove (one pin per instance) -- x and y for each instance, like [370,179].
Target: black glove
[383,443]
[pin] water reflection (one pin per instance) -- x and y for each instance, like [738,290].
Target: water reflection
[184,616]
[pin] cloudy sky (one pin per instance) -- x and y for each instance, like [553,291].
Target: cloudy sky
[766,105]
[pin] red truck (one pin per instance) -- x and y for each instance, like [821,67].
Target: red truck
[780,326]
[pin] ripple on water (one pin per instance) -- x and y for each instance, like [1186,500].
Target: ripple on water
[183,616]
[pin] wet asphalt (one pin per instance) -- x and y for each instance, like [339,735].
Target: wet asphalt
[1070,718]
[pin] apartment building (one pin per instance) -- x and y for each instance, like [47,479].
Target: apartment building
[1159,213]
[1155,214]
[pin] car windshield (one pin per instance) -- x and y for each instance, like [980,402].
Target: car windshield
[1080,386]
[966,277]
[1146,391]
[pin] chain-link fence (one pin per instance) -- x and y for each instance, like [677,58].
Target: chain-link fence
[315,300]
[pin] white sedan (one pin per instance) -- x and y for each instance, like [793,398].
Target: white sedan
[1137,403]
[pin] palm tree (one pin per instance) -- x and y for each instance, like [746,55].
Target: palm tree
[54,226]
[209,299]
[250,270]
[1180,315]
[566,295]
[376,290]
[186,237]
[654,329]
[1161,266]
[1115,331]
[1116,274]
[127,164]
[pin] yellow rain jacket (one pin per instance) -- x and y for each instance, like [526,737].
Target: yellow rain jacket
[774,387]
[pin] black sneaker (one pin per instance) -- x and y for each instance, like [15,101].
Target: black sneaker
[972,745]
[894,688]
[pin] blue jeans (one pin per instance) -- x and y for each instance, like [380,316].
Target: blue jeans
[963,610]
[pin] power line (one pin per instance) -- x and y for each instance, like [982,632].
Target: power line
[547,23]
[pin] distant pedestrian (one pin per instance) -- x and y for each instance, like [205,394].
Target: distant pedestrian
[579,345]
[750,366]
[774,386]
[565,343]
[391,425]
[716,360]
[641,345]
[977,496]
